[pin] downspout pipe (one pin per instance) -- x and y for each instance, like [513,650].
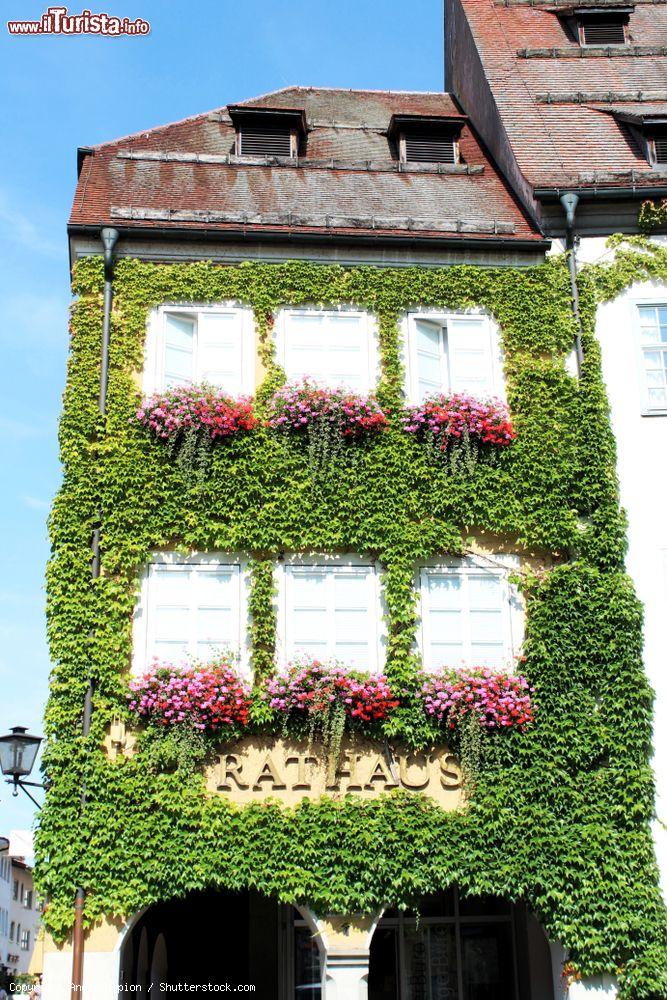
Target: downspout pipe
[109,239]
[570,201]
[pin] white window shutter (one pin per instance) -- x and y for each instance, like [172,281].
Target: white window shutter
[470,353]
[488,602]
[308,620]
[332,612]
[216,611]
[443,619]
[305,347]
[428,351]
[179,346]
[465,618]
[169,615]
[220,350]
[193,611]
[331,348]
[354,625]
[347,351]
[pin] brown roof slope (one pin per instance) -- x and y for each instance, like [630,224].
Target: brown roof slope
[185,175]
[545,85]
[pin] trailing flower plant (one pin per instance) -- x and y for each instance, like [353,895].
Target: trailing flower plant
[470,701]
[458,427]
[190,419]
[209,697]
[326,418]
[495,700]
[326,698]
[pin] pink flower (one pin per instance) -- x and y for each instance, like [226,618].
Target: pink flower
[497,700]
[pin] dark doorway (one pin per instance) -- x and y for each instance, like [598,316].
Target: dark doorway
[207,937]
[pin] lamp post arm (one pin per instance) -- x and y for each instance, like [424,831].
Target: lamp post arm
[17,783]
[31,797]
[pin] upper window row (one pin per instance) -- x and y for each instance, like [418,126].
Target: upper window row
[326,608]
[442,351]
[282,132]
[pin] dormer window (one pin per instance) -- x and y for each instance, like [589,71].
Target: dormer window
[649,132]
[432,139]
[603,26]
[268,132]
[657,145]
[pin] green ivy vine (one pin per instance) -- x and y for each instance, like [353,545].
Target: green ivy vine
[560,814]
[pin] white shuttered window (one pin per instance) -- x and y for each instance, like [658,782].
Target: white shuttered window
[452,354]
[191,609]
[653,344]
[466,617]
[336,348]
[331,611]
[208,344]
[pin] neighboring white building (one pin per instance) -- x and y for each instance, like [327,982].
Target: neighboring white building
[5,907]
[20,911]
[24,918]
[631,330]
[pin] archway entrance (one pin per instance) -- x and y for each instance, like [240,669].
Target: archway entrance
[454,949]
[207,938]
[480,948]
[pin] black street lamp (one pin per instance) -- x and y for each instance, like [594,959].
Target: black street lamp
[18,750]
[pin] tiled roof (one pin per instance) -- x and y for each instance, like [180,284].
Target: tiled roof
[185,175]
[549,90]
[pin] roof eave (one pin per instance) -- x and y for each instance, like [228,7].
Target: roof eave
[610,192]
[407,238]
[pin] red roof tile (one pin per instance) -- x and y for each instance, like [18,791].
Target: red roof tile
[185,175]
[546,88]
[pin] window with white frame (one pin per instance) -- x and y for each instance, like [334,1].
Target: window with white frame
[25,940]
[335,347]
[331,610]
[213,344]
[452,353]
[469,616]
[653,345]
[190,608]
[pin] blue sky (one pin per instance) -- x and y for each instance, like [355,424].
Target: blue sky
[60,93]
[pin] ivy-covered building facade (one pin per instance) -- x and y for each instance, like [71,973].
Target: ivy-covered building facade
[348,696]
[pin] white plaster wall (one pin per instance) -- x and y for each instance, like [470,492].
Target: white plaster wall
[642,470]
[100,975]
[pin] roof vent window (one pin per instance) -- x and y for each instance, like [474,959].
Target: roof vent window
[267,132]
[429,149]
[603,30]
[265,142]
[660,148]
[426,138]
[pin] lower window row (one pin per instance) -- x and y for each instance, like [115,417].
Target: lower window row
[327,607]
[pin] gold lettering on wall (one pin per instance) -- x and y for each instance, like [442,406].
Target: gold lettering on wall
[257,768]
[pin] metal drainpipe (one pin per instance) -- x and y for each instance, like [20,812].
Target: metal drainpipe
[109,239]
[569,201]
